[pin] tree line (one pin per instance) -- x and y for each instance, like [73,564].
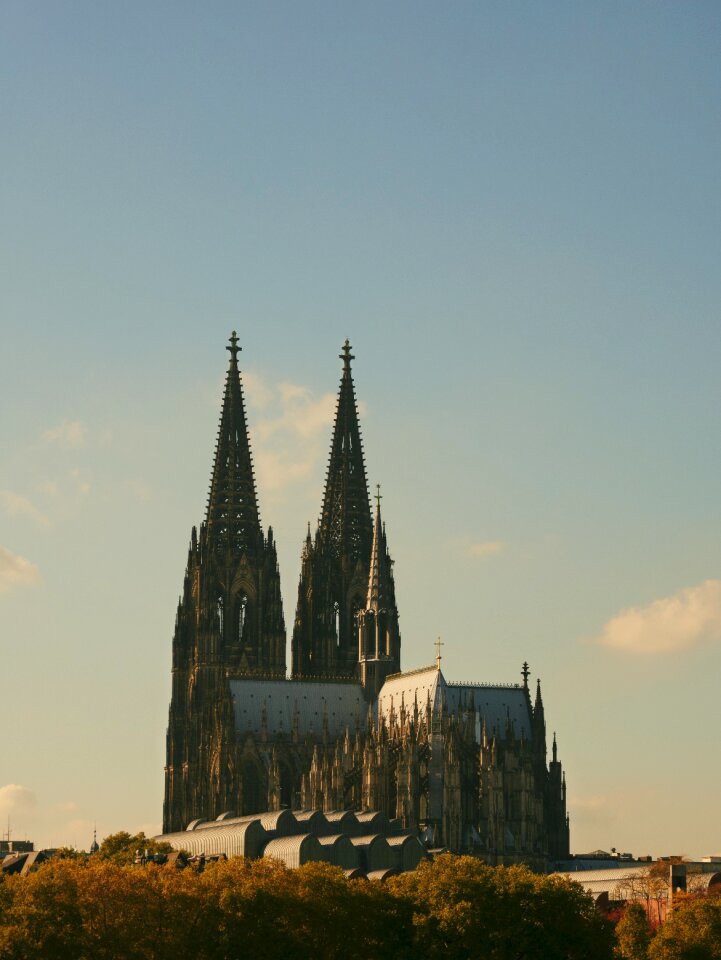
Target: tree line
[457,908]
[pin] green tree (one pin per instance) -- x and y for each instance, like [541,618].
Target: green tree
[121,847]
[464,909]
[691,932]
[633,933]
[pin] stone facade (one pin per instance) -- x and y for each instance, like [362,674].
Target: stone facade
[465,765]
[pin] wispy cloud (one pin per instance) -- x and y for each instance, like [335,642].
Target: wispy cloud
[594,810]
[488,548]
[258,393]
[14,797]
[291,436]
[69,434]
[16,505]
[16,572]
[689,617]
[55,824]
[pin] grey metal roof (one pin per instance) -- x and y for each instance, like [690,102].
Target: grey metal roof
[372,820]
[408,850]
[343,821]
[313,821]
[233,839]
[492,703]
[275,822]
[343,704]
[341,850]
[376,852]
[295,851]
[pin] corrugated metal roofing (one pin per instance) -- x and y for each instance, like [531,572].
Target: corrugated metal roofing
[343,821]
[276,822]
[372,821]
[233,839]
[409,851]
[377,855]
[295,851]
[341,850]
[313,821]
[382,875]
[342,702]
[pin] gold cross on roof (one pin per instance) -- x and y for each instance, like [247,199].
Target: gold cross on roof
[439,644]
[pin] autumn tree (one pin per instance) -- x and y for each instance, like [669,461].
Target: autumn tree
[691,932]
[464,909]
[633,933]
[121,847]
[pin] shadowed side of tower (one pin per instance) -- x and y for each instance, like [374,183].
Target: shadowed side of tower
[229,622]
[335,563]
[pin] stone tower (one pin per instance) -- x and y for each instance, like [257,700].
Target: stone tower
[335,564]
[229,622]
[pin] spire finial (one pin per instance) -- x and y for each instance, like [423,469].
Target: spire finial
[525,673]
[439,644]
[233,349]
[346,356]
[378,497]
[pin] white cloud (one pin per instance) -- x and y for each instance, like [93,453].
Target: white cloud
[291,437]
[300,415]
[69,434]
[16,505]
[689,617]
[594,810]
[488,548]
[16,571]
[15,798]
[257,392]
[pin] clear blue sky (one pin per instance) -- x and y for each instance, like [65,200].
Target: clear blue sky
[513,212]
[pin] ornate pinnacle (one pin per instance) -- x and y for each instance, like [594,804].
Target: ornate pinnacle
[234,349]
[346,356]
[525,673]
[378,496]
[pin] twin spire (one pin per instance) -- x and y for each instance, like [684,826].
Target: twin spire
[345,525]
[345,570]
[232,517]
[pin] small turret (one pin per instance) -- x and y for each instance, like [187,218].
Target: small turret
[379,639]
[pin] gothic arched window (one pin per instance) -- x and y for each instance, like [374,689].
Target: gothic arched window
[336,623]
[242,617]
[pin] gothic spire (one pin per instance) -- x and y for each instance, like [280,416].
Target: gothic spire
[232,517]
[345,525]
[381,592]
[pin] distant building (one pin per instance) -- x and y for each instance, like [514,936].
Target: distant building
[463,764]
[653,884]
[16,846]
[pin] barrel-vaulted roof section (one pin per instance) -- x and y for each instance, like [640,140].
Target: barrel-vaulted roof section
[494,704]
[276,704]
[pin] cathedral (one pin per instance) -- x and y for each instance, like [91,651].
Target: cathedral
[463,765]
